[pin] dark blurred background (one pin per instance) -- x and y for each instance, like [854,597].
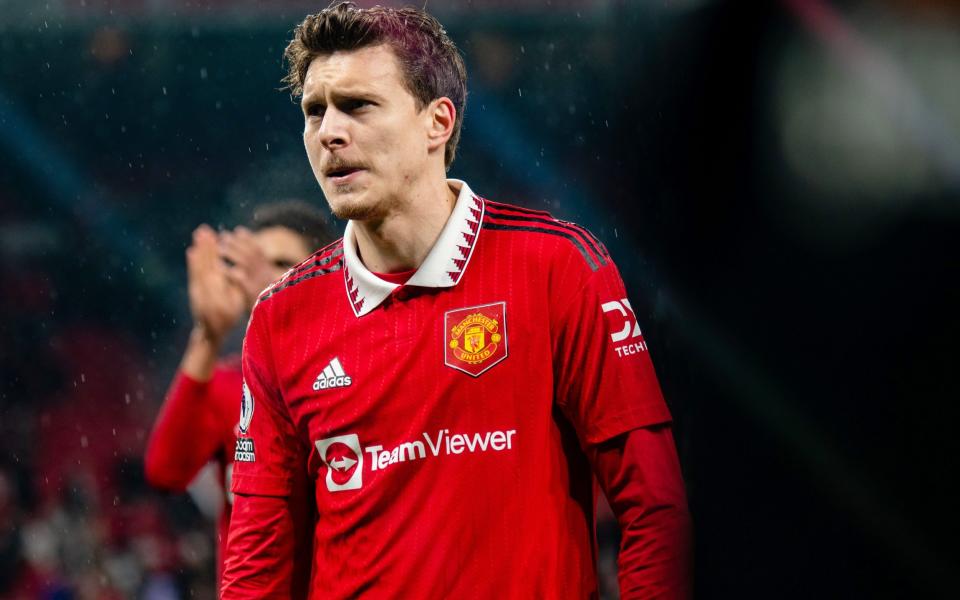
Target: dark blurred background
[779,183]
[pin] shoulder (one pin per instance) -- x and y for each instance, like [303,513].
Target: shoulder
[324,261]
[537,228]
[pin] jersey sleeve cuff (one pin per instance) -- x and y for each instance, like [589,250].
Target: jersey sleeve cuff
[611,426]
[261,485]
[187,384]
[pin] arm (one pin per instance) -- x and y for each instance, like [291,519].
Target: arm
[608,390]
[185,435]
[270,528]
[640,474]
[270,546]
[187,432]
[259,549]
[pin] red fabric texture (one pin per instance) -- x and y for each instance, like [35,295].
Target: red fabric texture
[277,532]
[640,474]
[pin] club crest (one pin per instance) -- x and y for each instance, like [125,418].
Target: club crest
[475,337]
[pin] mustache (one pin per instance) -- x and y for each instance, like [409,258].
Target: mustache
[335,163]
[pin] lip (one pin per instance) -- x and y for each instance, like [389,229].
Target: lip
[342,179]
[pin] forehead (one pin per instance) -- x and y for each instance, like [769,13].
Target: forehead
[280,242]
[373,69]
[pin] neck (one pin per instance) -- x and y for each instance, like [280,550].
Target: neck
[401,240]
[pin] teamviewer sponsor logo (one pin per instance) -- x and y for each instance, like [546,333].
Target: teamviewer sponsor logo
[441,443]
[332,377]
[344,462]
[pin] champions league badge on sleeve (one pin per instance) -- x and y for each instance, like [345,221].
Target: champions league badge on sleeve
[476,337]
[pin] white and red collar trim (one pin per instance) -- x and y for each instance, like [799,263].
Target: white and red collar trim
[443,267]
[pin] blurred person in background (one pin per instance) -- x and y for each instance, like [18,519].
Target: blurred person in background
[444,465]
[225,271]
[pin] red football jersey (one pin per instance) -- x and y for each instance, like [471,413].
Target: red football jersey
[443,419]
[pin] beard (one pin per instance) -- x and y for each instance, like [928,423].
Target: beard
[348,203]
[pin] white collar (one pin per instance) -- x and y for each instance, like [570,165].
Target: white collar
[443,267]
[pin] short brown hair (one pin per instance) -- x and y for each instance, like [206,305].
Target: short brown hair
[431,64]
[296,215]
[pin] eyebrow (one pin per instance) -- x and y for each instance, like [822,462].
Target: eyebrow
[348,94]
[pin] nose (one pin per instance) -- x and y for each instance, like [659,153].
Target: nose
[333,130]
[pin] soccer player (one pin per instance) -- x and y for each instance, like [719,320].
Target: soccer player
[225,272]
[452,374]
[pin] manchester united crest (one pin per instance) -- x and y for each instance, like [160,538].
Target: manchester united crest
[476,337]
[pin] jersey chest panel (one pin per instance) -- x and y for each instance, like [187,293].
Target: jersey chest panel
[402,404]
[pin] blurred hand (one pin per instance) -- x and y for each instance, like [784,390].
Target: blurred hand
[251,270]
[215,301]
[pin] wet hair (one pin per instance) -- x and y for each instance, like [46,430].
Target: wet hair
[429,60]
[299,217]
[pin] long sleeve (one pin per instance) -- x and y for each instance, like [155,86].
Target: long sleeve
[607,388]
[259,549]
[187,432]
[270,545]
[271,529]
[640,474]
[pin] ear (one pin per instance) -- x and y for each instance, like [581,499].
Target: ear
[441,115]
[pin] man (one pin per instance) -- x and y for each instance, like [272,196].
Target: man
[451,374]
[225,273]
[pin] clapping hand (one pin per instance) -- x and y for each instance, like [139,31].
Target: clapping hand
[216,302]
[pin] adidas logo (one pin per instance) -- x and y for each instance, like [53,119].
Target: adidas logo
[332,377]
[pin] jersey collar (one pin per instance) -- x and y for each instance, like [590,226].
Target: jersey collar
[443,267]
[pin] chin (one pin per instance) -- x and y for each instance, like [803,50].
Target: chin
[348,203]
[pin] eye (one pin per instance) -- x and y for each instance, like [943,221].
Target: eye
[355,104]
[315,110]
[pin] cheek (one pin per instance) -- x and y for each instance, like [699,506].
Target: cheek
[313,155]
[406,149]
